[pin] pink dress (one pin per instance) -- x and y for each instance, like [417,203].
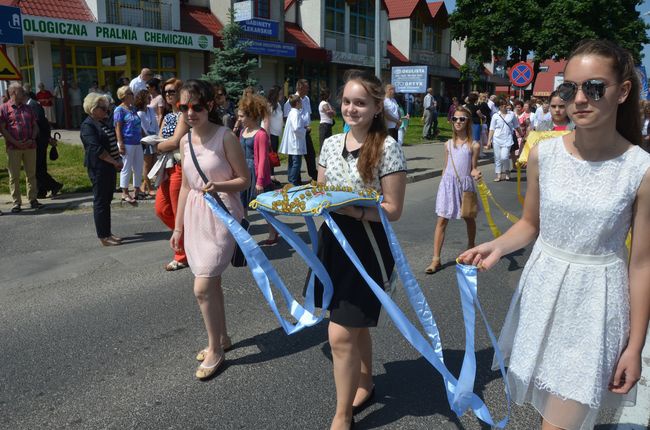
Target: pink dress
[208,243]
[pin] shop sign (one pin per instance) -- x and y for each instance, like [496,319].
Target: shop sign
[410,79]
[261,27]
[266,47]
[98,32]
[356,59]
[11,32]
[243,10]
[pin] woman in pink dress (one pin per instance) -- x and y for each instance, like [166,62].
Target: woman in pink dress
[207,241]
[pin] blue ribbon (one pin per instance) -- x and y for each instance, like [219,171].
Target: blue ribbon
[459,391]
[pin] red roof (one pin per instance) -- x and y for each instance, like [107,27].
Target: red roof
[401,8]
[395,56]
[75,10]
[195,19]
[545,82]
[307,48]
[436,6]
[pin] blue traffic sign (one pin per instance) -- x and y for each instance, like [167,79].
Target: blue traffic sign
[11,27]
[521,74]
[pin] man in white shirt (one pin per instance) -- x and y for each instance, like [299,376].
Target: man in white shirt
[302,88]
[494,109]
[542,113]
[139,83]
[391,112]
[429,113]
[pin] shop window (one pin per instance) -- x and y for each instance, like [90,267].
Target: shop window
[56,54]
[167,61]
[85,79]
[113,56]
[86,56]
[362,19]
[335,15]
[148,59]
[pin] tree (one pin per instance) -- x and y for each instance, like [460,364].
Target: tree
[547,29]
[232,66]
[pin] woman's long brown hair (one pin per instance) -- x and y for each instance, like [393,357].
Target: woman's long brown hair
[628,121]
[373,148]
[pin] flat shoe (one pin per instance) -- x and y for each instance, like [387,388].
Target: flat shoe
[434,266]
[109,241]
[16,209]
[175,265]
[366,402]
[227,346]
[204,373]
[115,238]
[128,199]
[497,179]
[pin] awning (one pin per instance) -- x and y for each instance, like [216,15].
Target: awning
[200,20]
[395,56]
[306,47]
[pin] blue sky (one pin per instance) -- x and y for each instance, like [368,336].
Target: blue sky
[644,8]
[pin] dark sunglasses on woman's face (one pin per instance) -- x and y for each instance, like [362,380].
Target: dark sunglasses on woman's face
[104,108]
[458,119]
[593,88]
[170,92]
[187,107]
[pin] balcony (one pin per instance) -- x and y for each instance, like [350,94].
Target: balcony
[137,13]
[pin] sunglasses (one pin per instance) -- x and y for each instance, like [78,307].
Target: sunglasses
[104,108]
[593,88]
[458,118]
[187,107]
[170,92]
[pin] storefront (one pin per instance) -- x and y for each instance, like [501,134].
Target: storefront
[91,52]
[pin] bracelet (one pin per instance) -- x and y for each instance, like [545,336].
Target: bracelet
[177,230]
[363,213]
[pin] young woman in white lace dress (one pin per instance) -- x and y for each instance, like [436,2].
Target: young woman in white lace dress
[577,322]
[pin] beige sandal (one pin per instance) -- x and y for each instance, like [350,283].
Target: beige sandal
[227,346]
[434,266]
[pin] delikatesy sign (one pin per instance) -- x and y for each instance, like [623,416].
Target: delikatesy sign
[266,47]
[410,79]
[98,32]
[11,29]
[261,27]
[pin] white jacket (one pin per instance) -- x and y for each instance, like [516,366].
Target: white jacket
[294,138]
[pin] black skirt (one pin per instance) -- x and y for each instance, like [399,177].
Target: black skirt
[353,302]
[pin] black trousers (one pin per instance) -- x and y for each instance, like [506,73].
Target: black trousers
[103,180]
[310,158]
[44,181]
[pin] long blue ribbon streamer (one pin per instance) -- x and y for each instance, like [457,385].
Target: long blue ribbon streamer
[459,391]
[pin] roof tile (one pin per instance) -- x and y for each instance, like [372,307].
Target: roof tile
[195,19]
[76,10]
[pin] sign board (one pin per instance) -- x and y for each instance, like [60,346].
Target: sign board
[8,72]
[243,10]
[643,80]
[267,47]
[261,27]
[521,74]
[11,29]
[410,79]
[342,57]
[98,32]
[557,81]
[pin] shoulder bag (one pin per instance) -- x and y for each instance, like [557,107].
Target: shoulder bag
[238,259]
[469,202]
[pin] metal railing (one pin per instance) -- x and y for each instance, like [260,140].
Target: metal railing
[138,13]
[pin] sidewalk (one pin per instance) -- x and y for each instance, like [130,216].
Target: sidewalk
[424,161]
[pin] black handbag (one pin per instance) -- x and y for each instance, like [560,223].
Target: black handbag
[54,153]
[238,259]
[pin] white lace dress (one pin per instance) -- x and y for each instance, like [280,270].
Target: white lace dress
[569,317]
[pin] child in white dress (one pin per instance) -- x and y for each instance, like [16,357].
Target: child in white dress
[578,319]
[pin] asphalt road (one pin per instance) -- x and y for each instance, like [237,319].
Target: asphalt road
[104,338]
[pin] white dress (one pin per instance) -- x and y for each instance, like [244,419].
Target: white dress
[569,317]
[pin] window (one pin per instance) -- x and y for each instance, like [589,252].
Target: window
[26,63]
[437,45]
[262,9]
[335,15]
[416,33]
[362,19]
[86,56]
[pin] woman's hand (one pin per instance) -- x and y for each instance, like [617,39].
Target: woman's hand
[476,174]
[119,166]
[211,187]
[483,256]
[628,372]
[175,240]
[259,189]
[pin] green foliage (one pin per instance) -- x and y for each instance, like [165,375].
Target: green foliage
[549,29]
[232,66]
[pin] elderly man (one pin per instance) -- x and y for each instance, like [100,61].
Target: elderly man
[302,88]
[429,115]
[139,83]
[18,126]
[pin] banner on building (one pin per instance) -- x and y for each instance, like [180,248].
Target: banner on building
[410,79]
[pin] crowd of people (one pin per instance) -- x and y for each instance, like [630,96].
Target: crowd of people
[576,327]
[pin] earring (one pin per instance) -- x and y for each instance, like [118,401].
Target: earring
[377,115]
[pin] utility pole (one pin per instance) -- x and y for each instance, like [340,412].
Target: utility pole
[377,39]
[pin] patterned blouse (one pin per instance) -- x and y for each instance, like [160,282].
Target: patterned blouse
[169,125]
[341,165]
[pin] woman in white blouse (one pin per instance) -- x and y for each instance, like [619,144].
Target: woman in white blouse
[149,124]
[294,140]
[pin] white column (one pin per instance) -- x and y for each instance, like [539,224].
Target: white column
[43,64]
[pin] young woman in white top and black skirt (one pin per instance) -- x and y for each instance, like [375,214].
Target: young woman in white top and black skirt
[327,115]
[365,157]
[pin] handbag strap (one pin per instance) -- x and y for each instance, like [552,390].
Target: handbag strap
[200,171]
[375,248]
[451,157]
[512,130]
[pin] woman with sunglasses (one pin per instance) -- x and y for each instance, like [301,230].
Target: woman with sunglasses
[208,243]
[502,128]
[578,319]
[128,131]
[171,129]
[460,170]
[102,159]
